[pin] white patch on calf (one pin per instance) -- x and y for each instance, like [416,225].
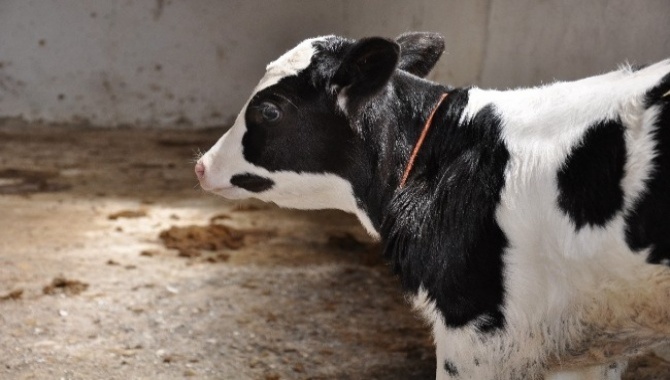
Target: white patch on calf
[342,100]
[641,149]
[289,64]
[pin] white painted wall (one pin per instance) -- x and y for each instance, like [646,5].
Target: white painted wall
[194,62]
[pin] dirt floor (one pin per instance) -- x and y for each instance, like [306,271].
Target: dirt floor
[114,265]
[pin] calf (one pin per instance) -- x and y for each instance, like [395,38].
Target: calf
[531,227]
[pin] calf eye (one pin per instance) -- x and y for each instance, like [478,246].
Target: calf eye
[270,112]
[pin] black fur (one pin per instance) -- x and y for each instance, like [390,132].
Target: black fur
[252,182]
[590,180]
[285,145]
[440,232]
[366,67]
[420,52]
[646,223]
[450,368]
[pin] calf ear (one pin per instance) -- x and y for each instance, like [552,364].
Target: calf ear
[366,68]
[419,52]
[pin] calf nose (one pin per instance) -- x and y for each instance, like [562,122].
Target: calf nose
[200,170]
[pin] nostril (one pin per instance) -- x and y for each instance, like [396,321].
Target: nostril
[200,170]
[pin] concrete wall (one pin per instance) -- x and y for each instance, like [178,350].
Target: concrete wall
[194,62]
[142,62]
[533,41]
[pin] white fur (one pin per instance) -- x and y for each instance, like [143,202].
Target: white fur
[603,372]
[342,100]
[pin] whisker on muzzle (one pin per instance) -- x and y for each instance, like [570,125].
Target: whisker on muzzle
[197,155]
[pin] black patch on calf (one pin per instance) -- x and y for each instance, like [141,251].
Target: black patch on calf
[309,137]
[441,232]
[450,368]
[589,182]
[252,182]
[366,68]
[648,222]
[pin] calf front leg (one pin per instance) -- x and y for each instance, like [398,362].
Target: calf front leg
[468,354]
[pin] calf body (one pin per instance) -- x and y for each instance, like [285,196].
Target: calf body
[533,230]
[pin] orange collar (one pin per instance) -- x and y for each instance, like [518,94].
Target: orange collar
[419,142]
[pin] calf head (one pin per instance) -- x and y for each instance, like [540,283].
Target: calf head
[299,140]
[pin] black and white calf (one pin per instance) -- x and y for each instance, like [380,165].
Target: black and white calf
[533,232]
